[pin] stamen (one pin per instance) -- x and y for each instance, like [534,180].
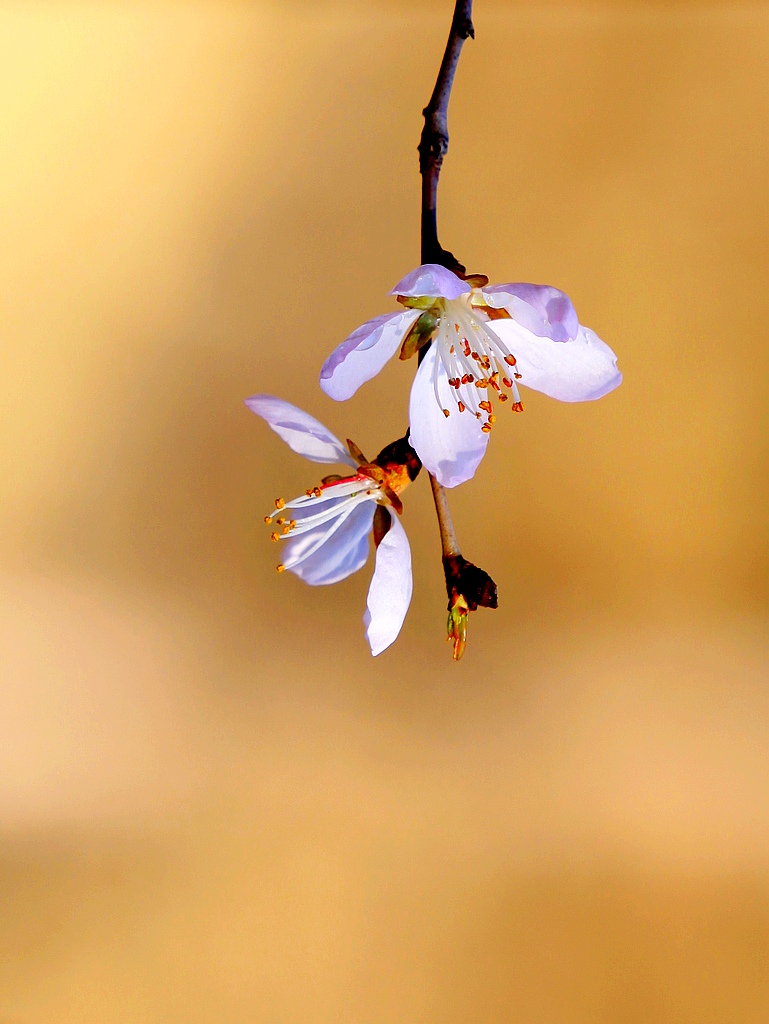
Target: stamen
[517,406]
[461,406]
[510,360]
[274,537]
[280,568]
[268,519]
[279,503]
[338,520]
[486,428]
[446,413]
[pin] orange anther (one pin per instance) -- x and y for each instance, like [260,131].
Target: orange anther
[461,406]
[507,382]
[274,536]
[517,407]
[279,503]
[510,360]
[446,413]
[280,568]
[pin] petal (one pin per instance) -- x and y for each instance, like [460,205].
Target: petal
[450,447]
[361,356]
[301,432]
[345,551]
[390,592]
[576,371]
[433,280]
[544,310]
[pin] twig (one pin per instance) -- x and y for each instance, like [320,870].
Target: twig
[433,146]
[466,584]
[434,142]
[448,536]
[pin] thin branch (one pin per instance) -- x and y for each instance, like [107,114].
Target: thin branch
[434,142]
[467,585]
[448,536]
[433,146]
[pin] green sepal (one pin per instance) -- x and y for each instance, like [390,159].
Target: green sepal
[421,332]
[416,301]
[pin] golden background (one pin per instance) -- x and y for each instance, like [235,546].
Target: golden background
[214,804]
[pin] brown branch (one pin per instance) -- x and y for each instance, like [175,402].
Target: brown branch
[434,142]
[448,536]
[433,146]
[467,585]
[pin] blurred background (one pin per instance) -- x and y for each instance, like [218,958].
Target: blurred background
[214,804]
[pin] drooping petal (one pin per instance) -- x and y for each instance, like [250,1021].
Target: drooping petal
[575,371]
[390,592]
[450,447]
[542,309]
[301,432]
[431,280]
[343,552]
[361,356]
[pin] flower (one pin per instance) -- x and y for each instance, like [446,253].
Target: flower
[326,530]
[487,339]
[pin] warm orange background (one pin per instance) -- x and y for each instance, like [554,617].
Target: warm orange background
[214,805]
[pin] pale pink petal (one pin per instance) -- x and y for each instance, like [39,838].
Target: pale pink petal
[431,280]
[542,309]
[573,371]
[450,448]
[390,592]
[342,553]
[301,432]
[361,356]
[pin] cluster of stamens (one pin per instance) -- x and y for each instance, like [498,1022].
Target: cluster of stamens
[344,493]
[478,366]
